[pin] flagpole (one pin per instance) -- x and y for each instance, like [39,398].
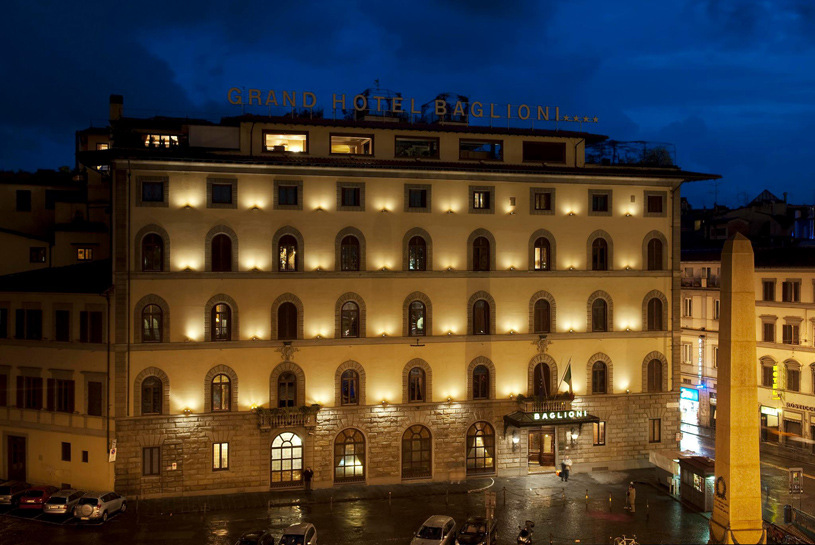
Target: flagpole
[564,374]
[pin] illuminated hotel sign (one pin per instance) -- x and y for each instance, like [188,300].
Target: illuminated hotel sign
[400,105]
[560,415]
[775,382]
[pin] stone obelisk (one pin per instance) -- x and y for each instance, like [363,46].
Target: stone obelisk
[737,488]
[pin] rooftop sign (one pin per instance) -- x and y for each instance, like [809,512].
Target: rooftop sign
[399,105]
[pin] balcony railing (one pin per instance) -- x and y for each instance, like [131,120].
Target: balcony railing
[639,153]
[712,282]
[561,402]
[294,417]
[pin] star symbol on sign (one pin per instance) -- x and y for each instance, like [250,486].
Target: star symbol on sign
[595,119]
[586,118]
[576,118]
[566,118]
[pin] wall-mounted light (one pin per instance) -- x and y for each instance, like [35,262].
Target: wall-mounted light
[384,402]
[187,412]
[512,396]
[318,336]
[571,330]
[628,214]
[450,211]
[255,338]
[449,269]
[319,209]
[628,329]
[253,407]
[384,268]
[628,267]
[318,269]
[256,207]
[255,269]
[188,207]
[515,440]
[512,332]
[571,213]
[449,333]
[572,435]
[571,268]
[385,210]
[187,269]
[187,339]
[627,391]
[449,399]
[384,334]
[512,268]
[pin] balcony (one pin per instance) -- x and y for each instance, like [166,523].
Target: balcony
[710,282]
[560,402]
[638,153]
[287,417]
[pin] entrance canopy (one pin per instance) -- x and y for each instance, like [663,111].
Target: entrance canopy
[521,419]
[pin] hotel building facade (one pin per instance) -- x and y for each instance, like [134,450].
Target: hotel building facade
[380,301]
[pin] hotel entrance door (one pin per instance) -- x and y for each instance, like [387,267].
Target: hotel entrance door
[542,447]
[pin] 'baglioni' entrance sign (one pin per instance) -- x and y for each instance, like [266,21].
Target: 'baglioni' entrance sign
[560,415]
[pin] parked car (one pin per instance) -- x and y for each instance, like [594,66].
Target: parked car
[35,498]
[255,537]
[99,505]
[62,502]
[475,532]
[11,491]
[437,530]
[299,534]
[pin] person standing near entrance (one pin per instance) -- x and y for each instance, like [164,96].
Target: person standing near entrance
[307,475]
[631,497]
[566,464]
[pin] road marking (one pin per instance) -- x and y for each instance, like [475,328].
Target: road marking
[786,469]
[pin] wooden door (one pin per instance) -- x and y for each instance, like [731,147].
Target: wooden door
[16,458]
[542,447]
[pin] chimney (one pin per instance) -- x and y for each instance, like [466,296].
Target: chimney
[116,105]
[785,196]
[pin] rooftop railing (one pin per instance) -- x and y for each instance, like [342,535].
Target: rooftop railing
[634,153]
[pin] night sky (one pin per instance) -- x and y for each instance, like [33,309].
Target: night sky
[731,84]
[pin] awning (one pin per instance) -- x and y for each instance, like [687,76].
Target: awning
[521,419]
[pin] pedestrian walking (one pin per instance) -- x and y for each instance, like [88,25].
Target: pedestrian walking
[631,497]
[567,467]
[307,475]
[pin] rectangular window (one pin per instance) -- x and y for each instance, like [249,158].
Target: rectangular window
[687,307]
[151,461]
[3,323]
[790,334]
[23,200]
[222,193]
[84,254]
[716,357]
[28,324]
[543,201]
[599,429]
[29,393]
[61,395]
[688,272]
[716,309]
[426,148]
[768,290]
[351,196]
[655,204]
[417,198]
[793,380]
[767,376]
[62,326]
[152,191]
[546,152]
[3,390]
[791,292]
[687,352]
[36,255]
[352,144]
[481,150]
[220,456]
[481,200]
[90,327]
[84,456]
[161,140]
[287,195]
[66,452]
[599,203]
[768,332]
[291,142]
[101,146]
[654,430]
[94,398]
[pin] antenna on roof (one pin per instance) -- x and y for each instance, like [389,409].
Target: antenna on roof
[376,82]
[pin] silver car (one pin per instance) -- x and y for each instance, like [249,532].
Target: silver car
[437,530]
[99,505]
[62,502]
[299,534]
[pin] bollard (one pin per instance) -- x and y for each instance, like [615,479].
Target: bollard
[587,499]
[609,501]
[550,538]
[447,497]
[389,498]
[505,496]
[647,511]
[331,504]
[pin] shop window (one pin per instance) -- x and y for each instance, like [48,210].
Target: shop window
[542,385]
[599,315]
[768,290]
[654,430]
[36,255]
[542,316]
[221,248]
[417,453]
[152,391]
[416,320]
[791,291]
[768,332]
[349,387]
[151,324]
[349,320]
[84,254]
[349,254]
[481,382]
[221,321]
[481,254]
[62,326]
[655,315]
[599,381]
[287,460]
[151,461]
[654,254]
[417,254]
[291,142]
[416,385]
[547,152]
[352,144]
[28,324]
[349,456]
[599,255]
[23,200]
[90,327]
[426,148]
[481,317]
[221,393]
[220,456]
[599,433]
[152,253]
[542,254]
[481,150]
[480,449]
[287,390]
[654,376]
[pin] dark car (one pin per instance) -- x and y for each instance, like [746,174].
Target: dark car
[11,491]
[255,537]
[35,498]
[478,531]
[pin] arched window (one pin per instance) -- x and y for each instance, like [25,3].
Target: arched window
[287,254]
[599,315]
[349,320]
[655,314]
[221,253]
[599,255]
[543,315]
[151,324]
[221,393]
[417,453]
[654,254]
[287,321]
[480,448]
[543,381]
[221,322]
[481,254]
[349,254]
[417,254]
[481,382]
[152,393]
[349,387]
[654,376]
[416,385]
[287,390]
[599,372]
[481,317]
[152,253]
[349,456]
[287,460]
[542,262]
[416,321]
